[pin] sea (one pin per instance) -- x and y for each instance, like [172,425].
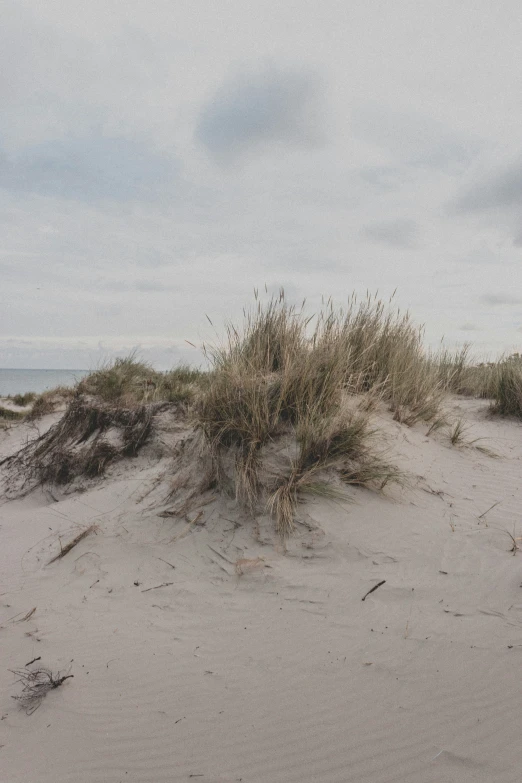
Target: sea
[22,381]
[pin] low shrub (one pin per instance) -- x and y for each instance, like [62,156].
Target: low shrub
[22,400]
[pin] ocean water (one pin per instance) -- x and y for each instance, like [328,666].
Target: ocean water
[22,381]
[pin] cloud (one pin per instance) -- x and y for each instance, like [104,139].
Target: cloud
[395,233]
[500,299]
[89,168]
[413,138]
[494,190]
[269,107]
[469,327]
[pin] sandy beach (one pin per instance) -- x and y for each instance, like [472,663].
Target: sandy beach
[202,648]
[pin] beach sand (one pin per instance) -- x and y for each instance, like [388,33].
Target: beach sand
[202,649]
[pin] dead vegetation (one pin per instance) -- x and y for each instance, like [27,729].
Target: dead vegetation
[50,401]
[9,415]
[90,436]
[64,550]
[314,382]
[36,685]
[128,381]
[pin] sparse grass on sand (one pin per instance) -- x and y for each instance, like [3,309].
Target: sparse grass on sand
[9,415]
[500,381]
[22,400]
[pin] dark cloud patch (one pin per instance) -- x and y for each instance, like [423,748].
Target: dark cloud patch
[395,233]
[500,299]
[89,169]
[469,327]
[500,190]
[252,110]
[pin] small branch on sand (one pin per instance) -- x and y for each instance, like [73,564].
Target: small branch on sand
[373,589]
[166,561]
[27,616]
[67,548]
[481,516]
[164,584]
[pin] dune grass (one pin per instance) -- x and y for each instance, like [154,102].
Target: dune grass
[49,401]
[500,381]
[9,415]
[130,381]
[22,400]
[507,387]
[285,372]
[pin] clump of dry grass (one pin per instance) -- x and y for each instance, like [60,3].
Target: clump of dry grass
[24,399]
[284,372]
[499,381]
[341,443]
[84,442]
[121,381]
[49,401]
[128,381]
[10,415]
[507,387]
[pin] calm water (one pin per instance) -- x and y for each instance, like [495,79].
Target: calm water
[21,381]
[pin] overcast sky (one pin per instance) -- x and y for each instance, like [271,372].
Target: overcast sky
[160,159]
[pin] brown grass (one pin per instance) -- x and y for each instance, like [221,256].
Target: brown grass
[284,372]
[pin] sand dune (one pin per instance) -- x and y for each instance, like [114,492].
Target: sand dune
[202,649]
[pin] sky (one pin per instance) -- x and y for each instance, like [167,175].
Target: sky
[161,160]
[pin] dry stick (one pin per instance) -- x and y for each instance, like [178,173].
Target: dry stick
[72,544]
[373,588]
[164,584]
[28,615]
[34,660]
[166,561]
[489,509]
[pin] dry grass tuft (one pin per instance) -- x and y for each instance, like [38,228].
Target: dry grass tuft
[10,415]
[286,373]
[22,400]
[49,401]
[90,436]
[507,387]
[128,381]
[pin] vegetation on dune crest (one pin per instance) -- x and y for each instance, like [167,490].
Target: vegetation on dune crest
[507,387]
[49,401]
[129,381]
[23,399]
[9,415]
[284,372]
[308,383]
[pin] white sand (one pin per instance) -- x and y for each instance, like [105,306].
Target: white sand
[272,670]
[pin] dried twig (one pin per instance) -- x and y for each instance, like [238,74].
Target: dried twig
[37,684]
[489,509]
[27,616]
[72,544]
[373,588]
[166,561]
[163,584]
